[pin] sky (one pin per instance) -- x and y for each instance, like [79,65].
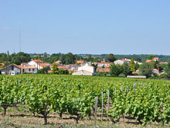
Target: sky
[85,26]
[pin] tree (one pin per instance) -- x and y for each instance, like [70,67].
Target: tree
[44,70]
[111,58]
[136,66]
[150,57]
[115,70]
[68,58]
[90,58]
[22,57]
[63,71]
[55,69]
[126,70]
[167,70]
[146,69]
[132,65]
[95,66]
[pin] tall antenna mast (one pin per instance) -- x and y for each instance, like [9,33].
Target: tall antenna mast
[20,37]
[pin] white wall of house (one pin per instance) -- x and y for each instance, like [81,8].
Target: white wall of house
[82,72]
[31,70]
[85,70]
[33,63]
[10,69]
[118,62]
[86,67]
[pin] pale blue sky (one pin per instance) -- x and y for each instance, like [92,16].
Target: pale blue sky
[86,26]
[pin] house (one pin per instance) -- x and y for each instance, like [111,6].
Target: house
[122,61]
[79,61]
[58,62]
[2,64]
[103,64]
[35,63]
[64,67]
[26,68]
[11,69]
[103,69]
[73,67]
[118,62]
[163,63]
[147,61]
[154,59]
[156,71]
[39,64]
[85,69]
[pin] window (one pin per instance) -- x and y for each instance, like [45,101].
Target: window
[12,67]
[29,69]
[33,69]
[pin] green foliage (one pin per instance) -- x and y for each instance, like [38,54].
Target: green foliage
[167,70]
[3,57]
[115,70]
[147,102]
[132,65]
[102,73]
[136,66]
[146,69]
[63,71]
[126,70]
[95,66]
[44,70]
[111,58]
[55,69]
[21,57]
[68,58]
[150,57]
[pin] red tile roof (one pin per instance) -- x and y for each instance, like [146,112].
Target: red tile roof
[103,69]
[79,61]
[38,61]
[2,64]
[148,61]
[155,58]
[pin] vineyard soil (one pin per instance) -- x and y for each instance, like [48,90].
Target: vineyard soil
[21,117]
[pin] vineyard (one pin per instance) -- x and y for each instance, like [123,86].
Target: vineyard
[146,101]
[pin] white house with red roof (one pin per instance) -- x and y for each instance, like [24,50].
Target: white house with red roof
[153,59]
[85,69]
[26,68]
[122,61]
[39,64]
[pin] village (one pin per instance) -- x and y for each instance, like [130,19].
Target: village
[81,67]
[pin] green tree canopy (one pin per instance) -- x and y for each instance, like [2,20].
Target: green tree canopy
[55,69]
[167,70]
[126,70]
[21,57]
[150,57]
[111,58]
[146,69]
[68,58]
[132,65]
[44,70]
[115,70]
